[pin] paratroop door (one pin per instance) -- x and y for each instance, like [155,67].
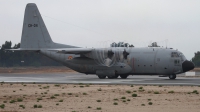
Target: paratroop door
[162,60]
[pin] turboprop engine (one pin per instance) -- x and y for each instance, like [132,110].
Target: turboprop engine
[109,56]
[111,62]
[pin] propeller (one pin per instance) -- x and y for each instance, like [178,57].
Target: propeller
[109,59]
[125,54]
[105,57]
[108,62]
[109,56]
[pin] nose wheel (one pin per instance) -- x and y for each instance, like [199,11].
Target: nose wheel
[172,76]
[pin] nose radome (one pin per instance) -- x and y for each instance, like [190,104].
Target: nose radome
[187,65]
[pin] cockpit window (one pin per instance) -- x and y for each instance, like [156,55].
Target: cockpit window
[178,54]
[174,54]
[182,56]
[177,62]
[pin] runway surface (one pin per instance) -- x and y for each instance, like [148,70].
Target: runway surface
[76,78]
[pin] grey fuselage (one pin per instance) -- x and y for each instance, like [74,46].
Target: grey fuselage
[140,61]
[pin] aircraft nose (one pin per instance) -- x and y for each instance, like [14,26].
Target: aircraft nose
[187,65]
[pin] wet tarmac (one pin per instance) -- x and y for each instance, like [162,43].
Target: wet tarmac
[75,78]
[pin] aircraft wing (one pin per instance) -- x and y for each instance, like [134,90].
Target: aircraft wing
[59,50]
[72,50]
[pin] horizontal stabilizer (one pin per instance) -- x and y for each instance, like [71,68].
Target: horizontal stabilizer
[23,49]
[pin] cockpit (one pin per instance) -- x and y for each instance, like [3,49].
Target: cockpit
[178,54]
[182,56]
[174,54]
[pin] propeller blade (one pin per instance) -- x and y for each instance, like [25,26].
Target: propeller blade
[110,54]
[108,62]
[125,54]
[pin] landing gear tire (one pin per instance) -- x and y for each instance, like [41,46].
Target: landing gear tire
[123,76]
[116,76]
[101,77]
[172,76]
[113,77]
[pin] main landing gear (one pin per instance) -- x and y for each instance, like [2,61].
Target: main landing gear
[112,77]
[172,76]
[101,76]
[123,76]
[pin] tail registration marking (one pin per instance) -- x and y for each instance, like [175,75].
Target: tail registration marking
[32,25]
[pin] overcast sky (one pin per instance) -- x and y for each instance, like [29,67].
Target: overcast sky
[172,23]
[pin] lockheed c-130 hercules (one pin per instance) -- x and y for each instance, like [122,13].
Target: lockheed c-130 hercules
[110,62]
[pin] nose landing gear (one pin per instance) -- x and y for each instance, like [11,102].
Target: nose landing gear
[172,76]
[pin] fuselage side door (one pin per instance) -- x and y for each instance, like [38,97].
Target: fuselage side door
[162,60]
[147,62]
[135,62]
[142,62]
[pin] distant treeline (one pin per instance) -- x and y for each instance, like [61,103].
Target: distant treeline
[22,58]
[196,59]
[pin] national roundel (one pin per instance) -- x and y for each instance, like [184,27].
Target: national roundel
[70,57]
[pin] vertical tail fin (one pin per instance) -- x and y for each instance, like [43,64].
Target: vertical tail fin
[35,34]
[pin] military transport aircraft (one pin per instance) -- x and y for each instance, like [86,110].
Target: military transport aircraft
[108,62]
